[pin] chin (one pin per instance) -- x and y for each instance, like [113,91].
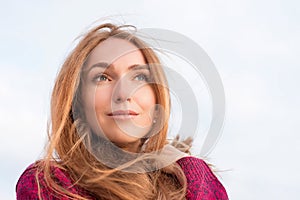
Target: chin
[123,139]
[129,145]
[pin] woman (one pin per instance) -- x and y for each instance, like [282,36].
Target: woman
[109,120]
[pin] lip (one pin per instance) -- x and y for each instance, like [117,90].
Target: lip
[123,114]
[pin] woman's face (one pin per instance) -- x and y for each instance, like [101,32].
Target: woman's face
[117,97]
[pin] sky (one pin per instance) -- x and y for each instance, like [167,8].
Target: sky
[253,44]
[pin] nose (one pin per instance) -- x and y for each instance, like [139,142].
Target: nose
[121,92]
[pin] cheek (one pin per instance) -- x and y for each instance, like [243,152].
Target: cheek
[96,101]
[88,93]
[95,97]
[145,98]
[102,98]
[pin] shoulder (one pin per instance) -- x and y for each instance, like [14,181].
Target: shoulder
[201,181]
[27,186]
[193,167]
[32,181]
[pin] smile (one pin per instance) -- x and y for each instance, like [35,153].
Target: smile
[123,114]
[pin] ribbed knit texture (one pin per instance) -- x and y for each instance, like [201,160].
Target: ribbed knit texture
[27,187]
[201,183]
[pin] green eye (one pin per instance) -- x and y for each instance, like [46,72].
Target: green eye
[101,78]
[141,77]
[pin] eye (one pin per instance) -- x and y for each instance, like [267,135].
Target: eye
[101,78]
[141,77]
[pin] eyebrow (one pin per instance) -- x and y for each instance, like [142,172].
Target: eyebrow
[131,67]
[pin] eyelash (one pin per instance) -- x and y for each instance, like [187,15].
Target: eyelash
[145,76]
[98,77]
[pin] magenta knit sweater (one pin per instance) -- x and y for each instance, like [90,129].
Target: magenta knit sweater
[201,183]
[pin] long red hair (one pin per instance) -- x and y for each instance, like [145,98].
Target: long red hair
[67,151]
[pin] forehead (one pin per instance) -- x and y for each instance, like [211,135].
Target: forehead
[111,50]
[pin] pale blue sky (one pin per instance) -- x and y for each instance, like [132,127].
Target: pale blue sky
[254,45]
